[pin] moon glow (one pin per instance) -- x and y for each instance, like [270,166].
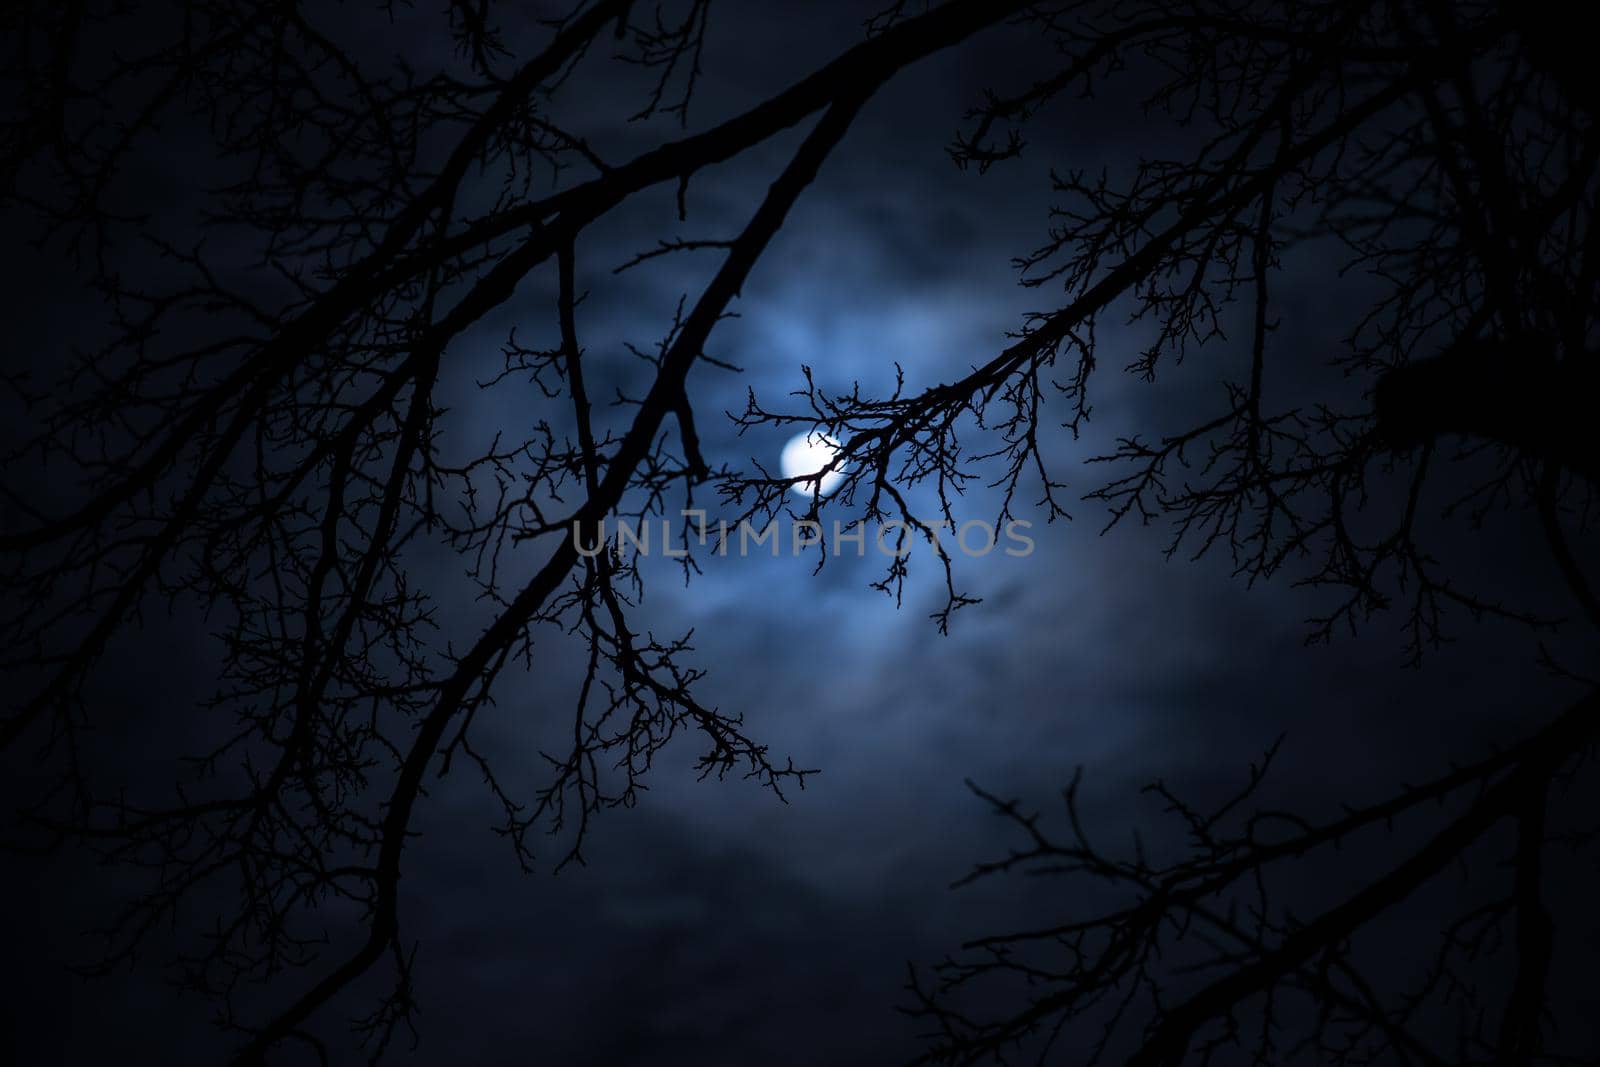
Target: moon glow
[808,453]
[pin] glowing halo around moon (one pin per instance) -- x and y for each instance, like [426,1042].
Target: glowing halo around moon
[808,453]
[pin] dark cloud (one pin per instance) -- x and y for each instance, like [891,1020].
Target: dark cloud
[713,924]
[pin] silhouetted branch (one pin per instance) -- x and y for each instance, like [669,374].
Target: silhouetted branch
[1212,913]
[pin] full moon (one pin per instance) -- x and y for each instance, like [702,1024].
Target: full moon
[808,453]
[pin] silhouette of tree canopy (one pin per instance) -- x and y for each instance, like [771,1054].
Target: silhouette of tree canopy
[1449,151]
[262,437]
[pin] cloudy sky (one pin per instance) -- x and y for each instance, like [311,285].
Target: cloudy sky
[714,924]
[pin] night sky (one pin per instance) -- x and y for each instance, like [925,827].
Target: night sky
[713,924]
